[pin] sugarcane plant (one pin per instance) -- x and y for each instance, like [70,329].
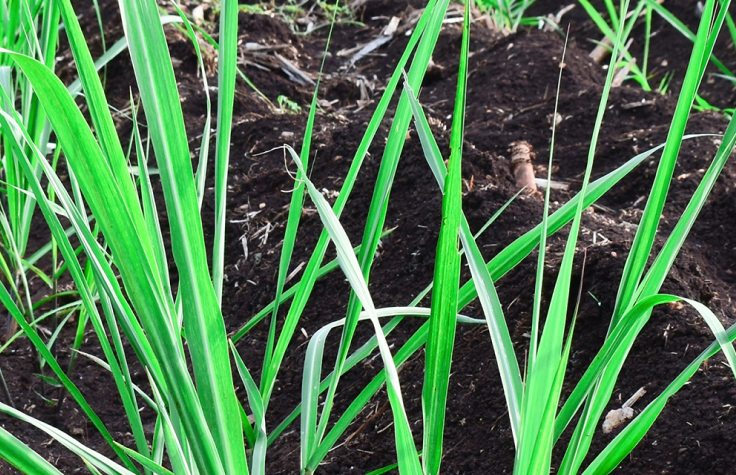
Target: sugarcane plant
[19,262]
[122,274]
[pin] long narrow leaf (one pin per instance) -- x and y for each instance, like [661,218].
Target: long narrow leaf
[643,241]
[98,460]
[502,346]
[126,243]
[442,322]
[406,451]
[226,63]
[206,335]
[22,457]
[628,438]
[295,209]
[258,465]
[535,448]
[379,201]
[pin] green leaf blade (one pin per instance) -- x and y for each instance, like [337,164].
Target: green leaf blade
[206,333]
[442,321]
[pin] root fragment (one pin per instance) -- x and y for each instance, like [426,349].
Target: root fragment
[617,417]
[522,154]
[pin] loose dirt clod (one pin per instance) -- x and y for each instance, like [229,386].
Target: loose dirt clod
[522,154]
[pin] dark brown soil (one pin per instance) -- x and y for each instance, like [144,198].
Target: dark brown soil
[511,97]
